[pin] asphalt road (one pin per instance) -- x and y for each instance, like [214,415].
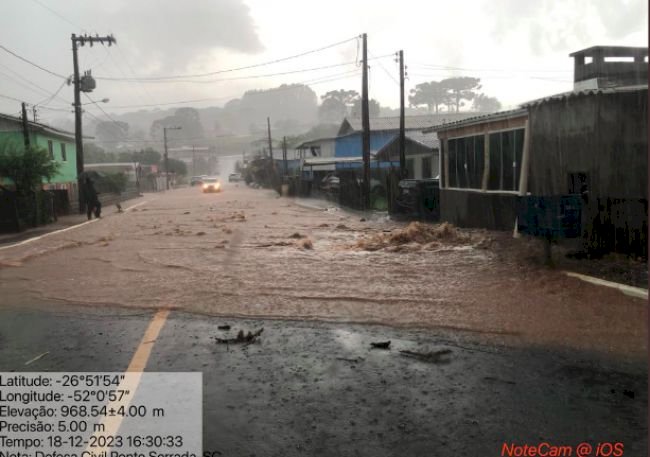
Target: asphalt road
[312,385]
[319,389]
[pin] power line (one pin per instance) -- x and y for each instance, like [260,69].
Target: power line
[32,63]
[60,16]
[384,68]
[239,78]
[55,94]
[330,78]
[199,75]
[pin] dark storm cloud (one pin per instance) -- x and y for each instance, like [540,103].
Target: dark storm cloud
[172,33]
[555,26]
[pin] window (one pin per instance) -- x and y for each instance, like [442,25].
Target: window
[64,156]
[426,167]
[50,149]
[506,149]
[466,162]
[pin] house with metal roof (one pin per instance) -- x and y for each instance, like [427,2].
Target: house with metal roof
[587,142]
[59,145]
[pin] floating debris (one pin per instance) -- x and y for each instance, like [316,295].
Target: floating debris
[242,338]
[381,345]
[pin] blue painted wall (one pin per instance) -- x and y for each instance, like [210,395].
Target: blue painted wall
[350,146]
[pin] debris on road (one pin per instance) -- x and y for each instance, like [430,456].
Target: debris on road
[242,338]
[306,243]
[380,345]
[224,327]
[416,233]
[429,357]
[297,236]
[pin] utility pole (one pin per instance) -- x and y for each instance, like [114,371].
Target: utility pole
[193,162]
[284,156]
[25,125]
[34,113]
[402,123]
[166,154]
[365,122]
[77,82]
[268,127]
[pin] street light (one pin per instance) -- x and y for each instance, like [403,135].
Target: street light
[166,161]
[94,102]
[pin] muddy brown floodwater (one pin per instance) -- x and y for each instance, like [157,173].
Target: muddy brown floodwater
[247,252]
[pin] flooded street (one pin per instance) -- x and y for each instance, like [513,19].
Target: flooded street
[483,345]
[249,253]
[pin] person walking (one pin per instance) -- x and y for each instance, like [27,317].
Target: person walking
[93,205]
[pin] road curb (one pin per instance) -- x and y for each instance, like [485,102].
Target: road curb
[631,291]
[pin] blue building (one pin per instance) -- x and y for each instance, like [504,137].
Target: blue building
[384,131]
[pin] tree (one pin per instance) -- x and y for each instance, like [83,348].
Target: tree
[374,108]
[96,154]
[347,97]
[332,111]
[432,94]
[147,156]
[486,104]
[177,166]
[461,88]
[26,167]
[337,104]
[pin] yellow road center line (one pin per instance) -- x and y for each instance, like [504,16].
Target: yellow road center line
[111,424]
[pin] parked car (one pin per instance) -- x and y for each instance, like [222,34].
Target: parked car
[211,184]
[234,177]
[330,183]
[197,180]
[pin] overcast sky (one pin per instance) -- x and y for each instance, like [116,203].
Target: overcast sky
[518,48]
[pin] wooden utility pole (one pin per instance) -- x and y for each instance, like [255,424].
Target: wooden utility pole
[166,154]
[365,123]
[284,155]
[25,125]
[268,127]
[78,134]
[402,123]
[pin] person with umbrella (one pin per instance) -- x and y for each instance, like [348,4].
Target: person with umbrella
[93,205]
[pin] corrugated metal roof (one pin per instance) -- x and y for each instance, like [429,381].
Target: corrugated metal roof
[430,140]
[419,122]
[41,127]
[584,93]
[611,51]
[479,120]
[307,143]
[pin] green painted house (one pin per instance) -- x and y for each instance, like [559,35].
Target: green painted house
[59,144]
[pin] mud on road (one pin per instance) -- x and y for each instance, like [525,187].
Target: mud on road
[249,253]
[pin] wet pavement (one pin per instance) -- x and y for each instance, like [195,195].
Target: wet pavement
[534,355]
[319,389]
